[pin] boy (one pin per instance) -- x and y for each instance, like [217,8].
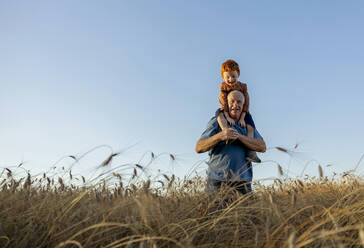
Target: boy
[230,72]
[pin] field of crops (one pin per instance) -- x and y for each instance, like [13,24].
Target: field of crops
[171,212]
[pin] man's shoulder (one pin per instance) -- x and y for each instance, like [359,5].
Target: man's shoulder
[213,122]
[211,129]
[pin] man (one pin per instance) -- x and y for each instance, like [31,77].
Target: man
[227,164]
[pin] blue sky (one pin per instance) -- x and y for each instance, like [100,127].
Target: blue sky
[78,74]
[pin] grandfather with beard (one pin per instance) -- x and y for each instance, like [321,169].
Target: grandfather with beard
[227,150]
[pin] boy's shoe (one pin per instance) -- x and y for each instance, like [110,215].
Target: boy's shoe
[251,156]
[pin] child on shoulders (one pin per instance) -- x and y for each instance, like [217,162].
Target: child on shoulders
[230,72]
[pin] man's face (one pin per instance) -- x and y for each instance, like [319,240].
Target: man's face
[230,77]
[235,103]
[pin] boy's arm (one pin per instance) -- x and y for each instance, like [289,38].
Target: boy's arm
[223,97]
[242,119]
[246,96]
[228,118]
[222,121]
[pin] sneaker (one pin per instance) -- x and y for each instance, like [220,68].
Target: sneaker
[251,156]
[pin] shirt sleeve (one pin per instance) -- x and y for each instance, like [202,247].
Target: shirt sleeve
[257,134]
[212,128]
[249,120]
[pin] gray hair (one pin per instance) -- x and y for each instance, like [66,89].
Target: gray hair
[234,92]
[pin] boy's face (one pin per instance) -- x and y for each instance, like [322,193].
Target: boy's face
[230,77]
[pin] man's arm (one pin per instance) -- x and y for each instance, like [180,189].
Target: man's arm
[204,145]
[252,144]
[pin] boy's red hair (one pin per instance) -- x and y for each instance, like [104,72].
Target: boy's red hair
[229,65]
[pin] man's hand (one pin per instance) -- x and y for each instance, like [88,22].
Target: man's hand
[204,145]
[229,134]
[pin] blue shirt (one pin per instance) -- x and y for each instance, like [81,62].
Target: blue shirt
[227,161]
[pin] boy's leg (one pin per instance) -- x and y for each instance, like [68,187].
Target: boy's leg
[251,156]
[222,121]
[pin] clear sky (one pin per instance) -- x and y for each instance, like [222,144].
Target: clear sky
[78,74]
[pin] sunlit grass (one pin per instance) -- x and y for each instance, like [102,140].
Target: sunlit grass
[65,210]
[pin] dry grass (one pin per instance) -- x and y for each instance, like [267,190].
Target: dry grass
[168,212]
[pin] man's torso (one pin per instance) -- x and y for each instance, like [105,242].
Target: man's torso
[227,161]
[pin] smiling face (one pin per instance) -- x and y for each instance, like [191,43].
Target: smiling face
[235,103]
[230,77]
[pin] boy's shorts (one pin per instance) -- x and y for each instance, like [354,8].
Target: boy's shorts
[248,118]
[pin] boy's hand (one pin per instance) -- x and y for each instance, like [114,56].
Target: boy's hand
[230,120]
[242,123]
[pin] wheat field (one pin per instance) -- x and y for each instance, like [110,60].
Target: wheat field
[67,211]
